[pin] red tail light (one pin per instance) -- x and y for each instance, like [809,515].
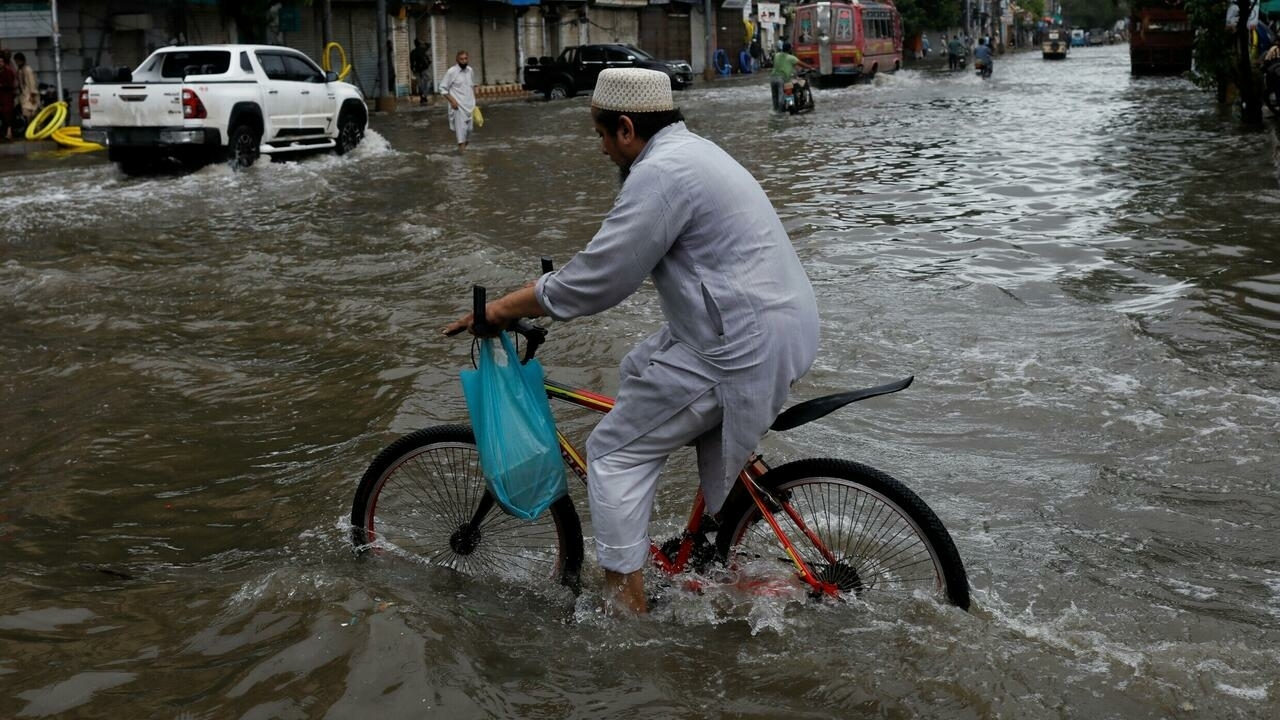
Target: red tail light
[192,108]
[84,104]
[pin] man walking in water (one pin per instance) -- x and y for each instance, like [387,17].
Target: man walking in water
[784,65]
[458,87]
[741,319]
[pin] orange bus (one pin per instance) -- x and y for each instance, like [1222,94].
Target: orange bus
[848,40]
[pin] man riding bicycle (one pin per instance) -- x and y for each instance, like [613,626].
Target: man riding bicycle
[741,319]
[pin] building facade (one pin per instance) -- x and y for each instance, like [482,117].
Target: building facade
[499,35]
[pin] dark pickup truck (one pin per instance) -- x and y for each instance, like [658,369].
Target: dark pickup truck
[576,69]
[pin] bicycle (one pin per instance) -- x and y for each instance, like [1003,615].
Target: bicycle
[855,530]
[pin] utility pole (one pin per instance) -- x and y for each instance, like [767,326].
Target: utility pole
[384,102]
[57,48]
[326,23]
[709,72]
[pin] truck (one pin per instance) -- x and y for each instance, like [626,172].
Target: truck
[194,105]
[1161,38]
[577,68]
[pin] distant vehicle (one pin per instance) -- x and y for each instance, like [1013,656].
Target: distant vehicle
[848,40]
[577,68]
[1055,43]
[1077,38]
[199,104]
[1160,38]
[1097,36]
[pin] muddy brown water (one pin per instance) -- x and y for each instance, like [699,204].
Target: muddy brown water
[1079,267]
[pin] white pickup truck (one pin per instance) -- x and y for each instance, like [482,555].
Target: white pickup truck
[200,104]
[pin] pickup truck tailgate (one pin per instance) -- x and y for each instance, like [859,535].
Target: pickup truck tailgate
[144,105]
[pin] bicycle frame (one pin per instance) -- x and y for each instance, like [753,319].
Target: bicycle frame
[755,468]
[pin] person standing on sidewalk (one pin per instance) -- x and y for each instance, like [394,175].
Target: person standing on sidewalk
[28,88]
[458,87]
[8,96]
[420,64]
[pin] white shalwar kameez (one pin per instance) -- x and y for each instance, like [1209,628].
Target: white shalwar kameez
[459,84]
[741,326]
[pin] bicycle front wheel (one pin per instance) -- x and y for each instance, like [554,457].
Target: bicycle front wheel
[425,497]
[853,525]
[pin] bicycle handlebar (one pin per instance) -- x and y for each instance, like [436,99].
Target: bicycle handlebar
[534,336]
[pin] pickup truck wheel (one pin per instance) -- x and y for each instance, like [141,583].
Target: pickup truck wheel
[350,133]
[137,163]
[242,146]
[558,92]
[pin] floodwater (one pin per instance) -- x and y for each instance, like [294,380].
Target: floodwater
[1079,268]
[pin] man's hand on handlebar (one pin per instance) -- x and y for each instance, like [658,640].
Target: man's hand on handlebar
[467,322]
[500,313]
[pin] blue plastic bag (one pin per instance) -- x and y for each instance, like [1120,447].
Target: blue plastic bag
[514,431]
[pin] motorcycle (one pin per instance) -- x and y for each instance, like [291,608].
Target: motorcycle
[1271,81]
[984,69]
[797,95]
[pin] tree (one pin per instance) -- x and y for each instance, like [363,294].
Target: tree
[1222,54]
[921,15]
[252,18]
[1092,13]
[1034,7]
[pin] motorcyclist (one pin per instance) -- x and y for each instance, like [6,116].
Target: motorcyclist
[1271,78]
[784,65]
[983,58]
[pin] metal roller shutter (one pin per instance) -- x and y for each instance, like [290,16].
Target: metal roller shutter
[356,30]
[307,35]
[665,32]
[462,32]
[205,27]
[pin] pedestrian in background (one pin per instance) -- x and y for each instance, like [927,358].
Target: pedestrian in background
[28,88]
[8,94]
[954,49]
[458,87]
[420,64]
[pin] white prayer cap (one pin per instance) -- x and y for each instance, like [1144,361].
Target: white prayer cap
[633,90]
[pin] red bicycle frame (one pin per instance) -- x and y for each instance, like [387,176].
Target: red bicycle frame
[754,469]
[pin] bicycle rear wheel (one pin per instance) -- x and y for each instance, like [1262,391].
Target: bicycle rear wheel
[424,497]
[880,537]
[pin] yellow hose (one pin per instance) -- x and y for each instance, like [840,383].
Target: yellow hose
[69,137]
[56,111]
[324,60]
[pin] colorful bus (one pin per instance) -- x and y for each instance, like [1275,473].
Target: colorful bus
[847,39]
[1160,38]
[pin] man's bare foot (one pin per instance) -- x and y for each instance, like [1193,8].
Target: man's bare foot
[624,593]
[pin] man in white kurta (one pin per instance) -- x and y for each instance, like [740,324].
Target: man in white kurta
[741,320]
[458,88]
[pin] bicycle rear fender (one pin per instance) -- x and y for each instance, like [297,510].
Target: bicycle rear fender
[811,410]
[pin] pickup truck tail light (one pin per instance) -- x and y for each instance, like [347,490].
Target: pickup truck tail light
[192,108]
[83,104]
